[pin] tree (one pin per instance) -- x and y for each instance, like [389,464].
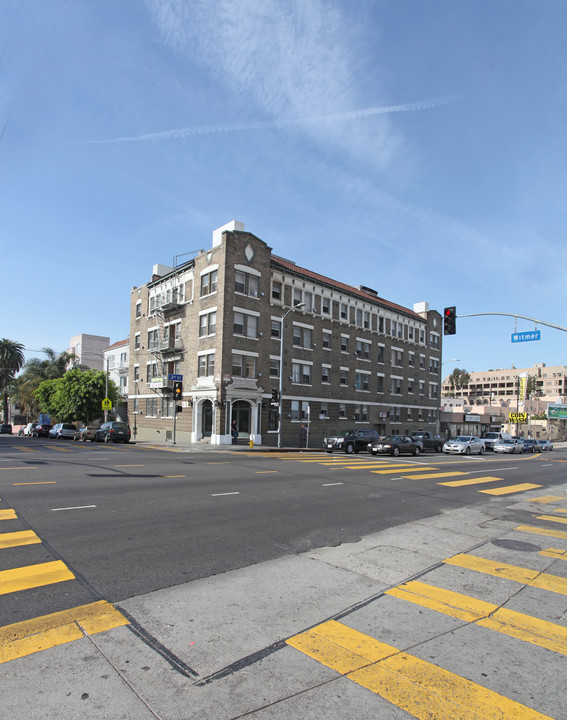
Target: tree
[459,379]
[11,360]
[77,396]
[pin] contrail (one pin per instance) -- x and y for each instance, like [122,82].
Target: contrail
[236,127]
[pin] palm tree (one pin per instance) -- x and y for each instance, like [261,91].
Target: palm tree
[11,360]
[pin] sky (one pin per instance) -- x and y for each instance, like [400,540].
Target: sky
[415,147]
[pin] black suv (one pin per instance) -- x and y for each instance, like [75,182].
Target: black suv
[112,432]
[41,430]
[350,441]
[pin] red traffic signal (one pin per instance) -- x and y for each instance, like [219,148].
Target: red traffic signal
[450,320]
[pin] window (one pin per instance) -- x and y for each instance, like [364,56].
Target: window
[344,311]
[245,325]
[276,290]
[139,309]
[327,336]
[301,373]
[151,407]
[343,376]
[433,391]
[136,373]
[362,318]
[396,386]
[244,366]
[167,405]
[411,359]
[299,410]
[274,367]
[206,365]
[209,283]
[137,341]
[380,383]
[325,306]
[207,324]
[135,406]
[151,371]
[276,329]
[302,337]
[364,412]
[308,301]
[325,373]
[422,362]
[342,410]
[361,381]
[344,343]
[433,365]
[422,387]
[381,353]
[246,283]
[153,339]
[381,324]
[324,411]
[434,341]
[397,357]
[363,349]
[410,334]
[410,385]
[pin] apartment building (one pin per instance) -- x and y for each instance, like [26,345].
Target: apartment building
[89,350]
[501,386]
[116,361]
[236,322]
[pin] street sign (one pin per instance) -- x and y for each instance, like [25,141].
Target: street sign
[174,377]
[526,336]
[518,418]
[107,404]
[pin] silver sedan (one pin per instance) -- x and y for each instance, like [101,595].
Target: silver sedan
[464,445]
[509,446]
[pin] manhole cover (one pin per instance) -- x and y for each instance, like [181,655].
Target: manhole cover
[516,545]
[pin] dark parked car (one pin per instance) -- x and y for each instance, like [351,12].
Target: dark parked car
[86,433]
[113,432]
[41,430]
[531,445]
[5,429]
[350,441]
[396,444]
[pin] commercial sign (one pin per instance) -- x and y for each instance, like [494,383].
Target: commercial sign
[157,382]
[556,412]
[526,336]
[518,417]
[522,385]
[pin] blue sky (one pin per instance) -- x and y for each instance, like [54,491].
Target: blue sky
[414,147]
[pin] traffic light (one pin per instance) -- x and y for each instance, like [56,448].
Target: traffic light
[450,320]
[275,397]
[177,390]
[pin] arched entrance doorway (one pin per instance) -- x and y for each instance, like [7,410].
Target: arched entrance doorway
[241,413]
[207,418]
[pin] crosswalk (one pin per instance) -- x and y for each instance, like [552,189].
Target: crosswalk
[411,677]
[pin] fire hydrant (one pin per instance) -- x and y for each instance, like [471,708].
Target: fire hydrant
[251,443]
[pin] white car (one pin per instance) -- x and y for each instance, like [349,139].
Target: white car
[509,446]
[28,429]
[464,445]
[63,430]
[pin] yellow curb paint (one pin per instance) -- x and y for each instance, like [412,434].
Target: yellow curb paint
[545,499]
[507,622]
[552,519]
[8,514]
[170,476]
[32,576]
[129,466]
[39,482]
[526,576]
[27,467]
[560,510]
[554,553]
[510,489]
[16,539]
[541,531]
[263,472]
[31,636]
[472,481]
[424,690]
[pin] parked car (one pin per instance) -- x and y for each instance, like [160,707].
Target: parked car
[492,437]
[545,445]
[86,433]
[5,429]
[113,431]
[531,445]
[63,430]
[41,430]
[28,429]
[508,446]
[464,445]
[350,441]
[395,444]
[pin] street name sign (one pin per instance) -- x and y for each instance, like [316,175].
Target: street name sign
[175,377]
[526,336]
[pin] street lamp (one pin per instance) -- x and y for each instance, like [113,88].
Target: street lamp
[281,372]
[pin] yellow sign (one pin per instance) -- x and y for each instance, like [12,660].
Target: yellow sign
[106,404]
[518,418]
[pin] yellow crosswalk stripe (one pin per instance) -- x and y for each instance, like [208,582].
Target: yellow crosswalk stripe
[551,518]
[507,622]
[546,499]
[422,689]
[554,553]
[471,481]
[31,636]
[8,514]
[541,531]
[510,489]
[427,476]
[16,539]
[400,469]
[526,576]
[31,576]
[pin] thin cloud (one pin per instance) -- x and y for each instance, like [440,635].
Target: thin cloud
[271,124]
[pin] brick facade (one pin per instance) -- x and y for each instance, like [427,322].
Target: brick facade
[349,357]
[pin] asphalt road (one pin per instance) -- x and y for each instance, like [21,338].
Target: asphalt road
[126,520]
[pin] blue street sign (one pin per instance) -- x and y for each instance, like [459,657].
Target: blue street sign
[526,336]
[175,378]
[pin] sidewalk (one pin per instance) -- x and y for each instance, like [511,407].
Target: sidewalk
[235,645]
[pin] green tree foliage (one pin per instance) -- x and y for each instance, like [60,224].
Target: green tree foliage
[459,379]
[11,361]
[77,396]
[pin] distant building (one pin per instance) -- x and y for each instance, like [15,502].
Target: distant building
[117,357]
[223,322]
[89,350]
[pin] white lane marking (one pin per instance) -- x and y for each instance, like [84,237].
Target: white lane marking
[221,494]
[78,507]
[330,484]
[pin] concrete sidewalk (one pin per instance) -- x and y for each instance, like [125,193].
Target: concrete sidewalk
[217,648]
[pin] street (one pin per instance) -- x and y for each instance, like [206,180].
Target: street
[116,523]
